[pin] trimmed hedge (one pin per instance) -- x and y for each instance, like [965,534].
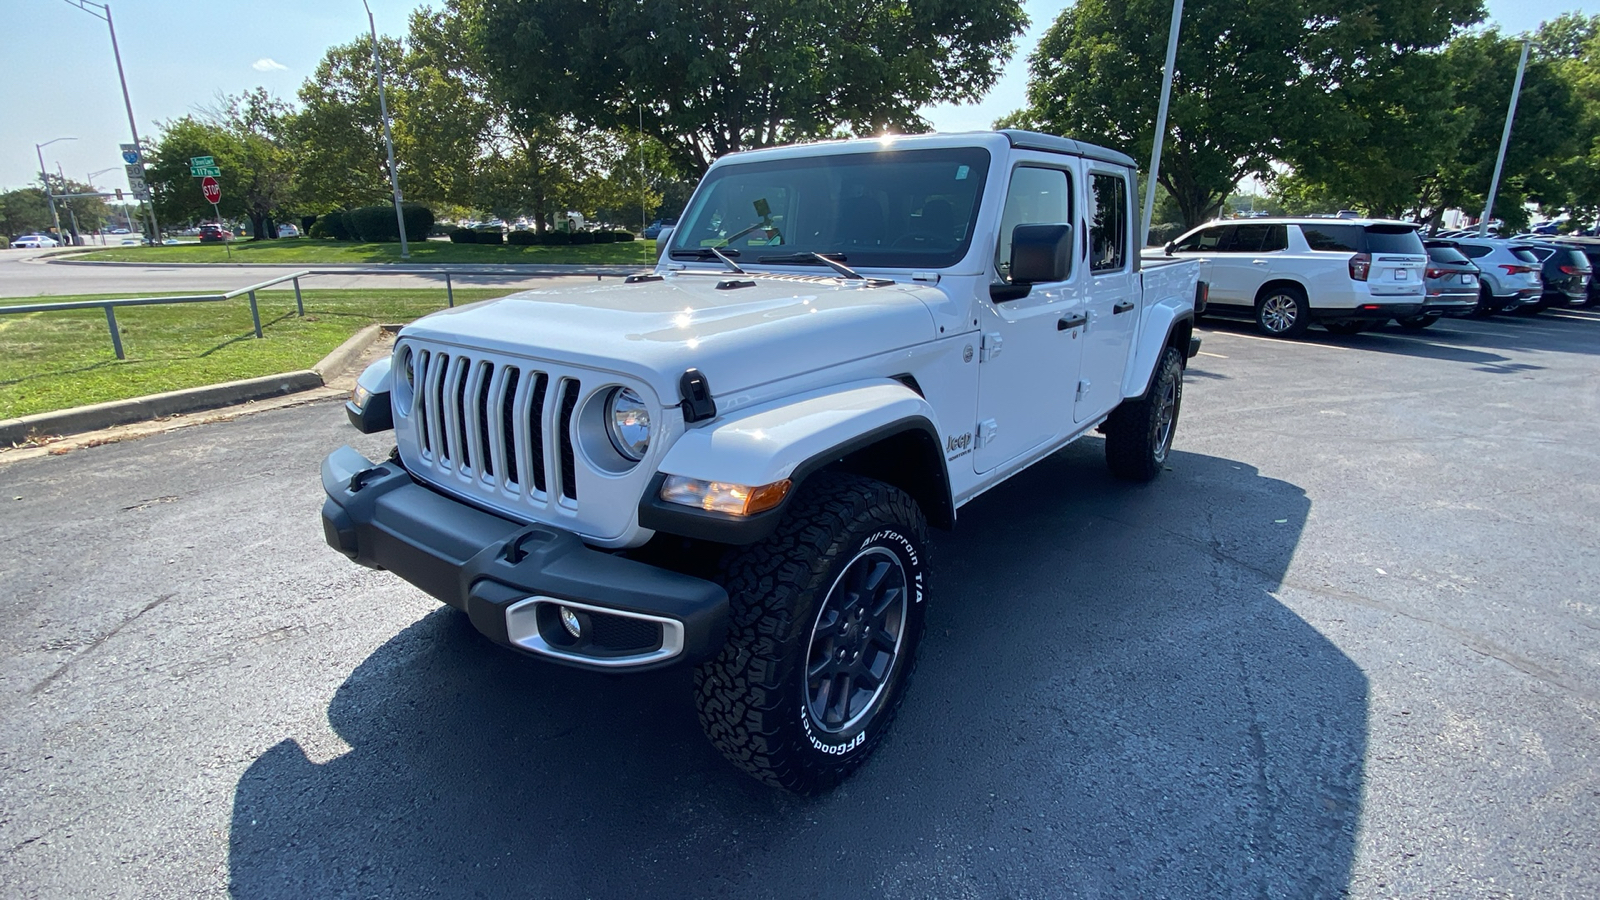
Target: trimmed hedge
[489,237]
[557,238]
[522,238]
[319,229]
[377,224]
[622,237]
[582,237]
[463,236]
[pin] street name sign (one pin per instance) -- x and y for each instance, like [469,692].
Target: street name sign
[204,171]
[201,161]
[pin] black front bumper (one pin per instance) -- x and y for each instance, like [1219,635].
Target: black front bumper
[510,578]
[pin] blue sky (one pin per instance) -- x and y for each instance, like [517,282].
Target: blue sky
[61,80]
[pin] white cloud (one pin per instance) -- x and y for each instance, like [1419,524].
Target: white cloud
[268,64]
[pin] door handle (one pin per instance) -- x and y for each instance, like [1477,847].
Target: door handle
[1076,320]
[1258,262]
[1121,308]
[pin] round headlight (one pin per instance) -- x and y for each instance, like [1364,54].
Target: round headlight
[628,423]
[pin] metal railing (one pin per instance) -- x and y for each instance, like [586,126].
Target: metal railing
[111,306]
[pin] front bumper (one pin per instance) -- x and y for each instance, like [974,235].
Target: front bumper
[517,582]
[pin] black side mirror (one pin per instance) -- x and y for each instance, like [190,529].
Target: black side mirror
[1171,246]
[1041,253]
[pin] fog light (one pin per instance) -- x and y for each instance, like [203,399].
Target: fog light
[724,497]
[569,621]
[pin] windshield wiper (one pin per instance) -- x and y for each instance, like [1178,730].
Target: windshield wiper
[833,261]
[726,256]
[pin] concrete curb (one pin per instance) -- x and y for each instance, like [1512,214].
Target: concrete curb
[17,431]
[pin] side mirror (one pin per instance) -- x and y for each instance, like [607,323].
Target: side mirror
[1171,246]
[369,407]
[662,241]
[1041,253]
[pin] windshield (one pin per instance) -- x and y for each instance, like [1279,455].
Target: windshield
[894,208]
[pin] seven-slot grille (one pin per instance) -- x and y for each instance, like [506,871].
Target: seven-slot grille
[492,422]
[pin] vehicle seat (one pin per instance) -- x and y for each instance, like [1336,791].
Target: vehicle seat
[939,219]
[860,222]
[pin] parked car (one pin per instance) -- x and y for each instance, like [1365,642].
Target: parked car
[287,230]
[35,242]
[1508,273]
[213,234]
[1451,285]
[654,229]
[1590,249]
[1566,273]
[1347,274]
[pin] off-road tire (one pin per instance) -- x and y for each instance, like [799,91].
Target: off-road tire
[1416,323]
[1139,431]
[1283,311]
[754,698]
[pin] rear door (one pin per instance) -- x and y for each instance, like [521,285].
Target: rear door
[1113,300]
[1252,254]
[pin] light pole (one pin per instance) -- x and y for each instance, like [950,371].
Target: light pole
[67,192]
[388,139]
[102,11]
[1161,123]
[1505,139]
[44,177]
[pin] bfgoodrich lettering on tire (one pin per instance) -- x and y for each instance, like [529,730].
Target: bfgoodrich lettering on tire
[825,620]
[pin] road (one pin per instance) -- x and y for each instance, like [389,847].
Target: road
[29,273]
[1345,646]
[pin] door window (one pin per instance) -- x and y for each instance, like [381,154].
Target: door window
[1259,238]
[1036,197]
[1108,223]
[1206,239]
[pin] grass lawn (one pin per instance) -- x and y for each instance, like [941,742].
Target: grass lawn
[51,361]
[317,252]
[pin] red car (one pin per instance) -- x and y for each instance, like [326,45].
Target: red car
[214,234]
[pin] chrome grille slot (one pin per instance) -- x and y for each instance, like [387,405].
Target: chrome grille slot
[484,379]
[569,464]
[535,420]
[506,445]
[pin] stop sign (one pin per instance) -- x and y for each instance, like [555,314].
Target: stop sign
[211,189]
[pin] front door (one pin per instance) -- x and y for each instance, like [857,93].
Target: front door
[1031,344]
[1114,296]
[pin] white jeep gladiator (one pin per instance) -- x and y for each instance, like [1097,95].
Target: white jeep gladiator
[732,462]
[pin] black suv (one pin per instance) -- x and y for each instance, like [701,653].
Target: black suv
[1566,272]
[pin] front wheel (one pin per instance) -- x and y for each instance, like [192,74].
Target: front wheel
[1139,432]
[825,618]
[1283,311]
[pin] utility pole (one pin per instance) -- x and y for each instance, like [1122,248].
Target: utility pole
[1505,141]
[102,11]
[44,178]
[388,138]
[1161,122]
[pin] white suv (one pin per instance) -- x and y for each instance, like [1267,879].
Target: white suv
[1347,274]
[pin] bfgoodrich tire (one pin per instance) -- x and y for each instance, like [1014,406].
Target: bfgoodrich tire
[1283,311]
[1139,432]
[825,620]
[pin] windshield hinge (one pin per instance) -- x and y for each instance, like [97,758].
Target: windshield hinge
[989,346]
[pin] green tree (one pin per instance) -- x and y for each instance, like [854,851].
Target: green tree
[338,132]
[24,211]
[1254,80]
[710,78]
[1570,44]
[245,137]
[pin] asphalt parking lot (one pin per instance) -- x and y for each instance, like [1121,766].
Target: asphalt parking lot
[1347,645]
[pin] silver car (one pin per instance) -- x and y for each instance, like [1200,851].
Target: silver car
[1509,273]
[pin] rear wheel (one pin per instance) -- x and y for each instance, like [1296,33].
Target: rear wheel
[1282,311]
[1139,432]
[1416,323]
[825,618]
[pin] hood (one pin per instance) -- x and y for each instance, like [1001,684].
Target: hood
[739,337]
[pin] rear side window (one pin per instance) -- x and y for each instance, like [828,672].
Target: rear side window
[1259,238]
[1393,239]
[1333,238]
[1524,254]
[1108,223]
[1473,251]
[1446,255]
